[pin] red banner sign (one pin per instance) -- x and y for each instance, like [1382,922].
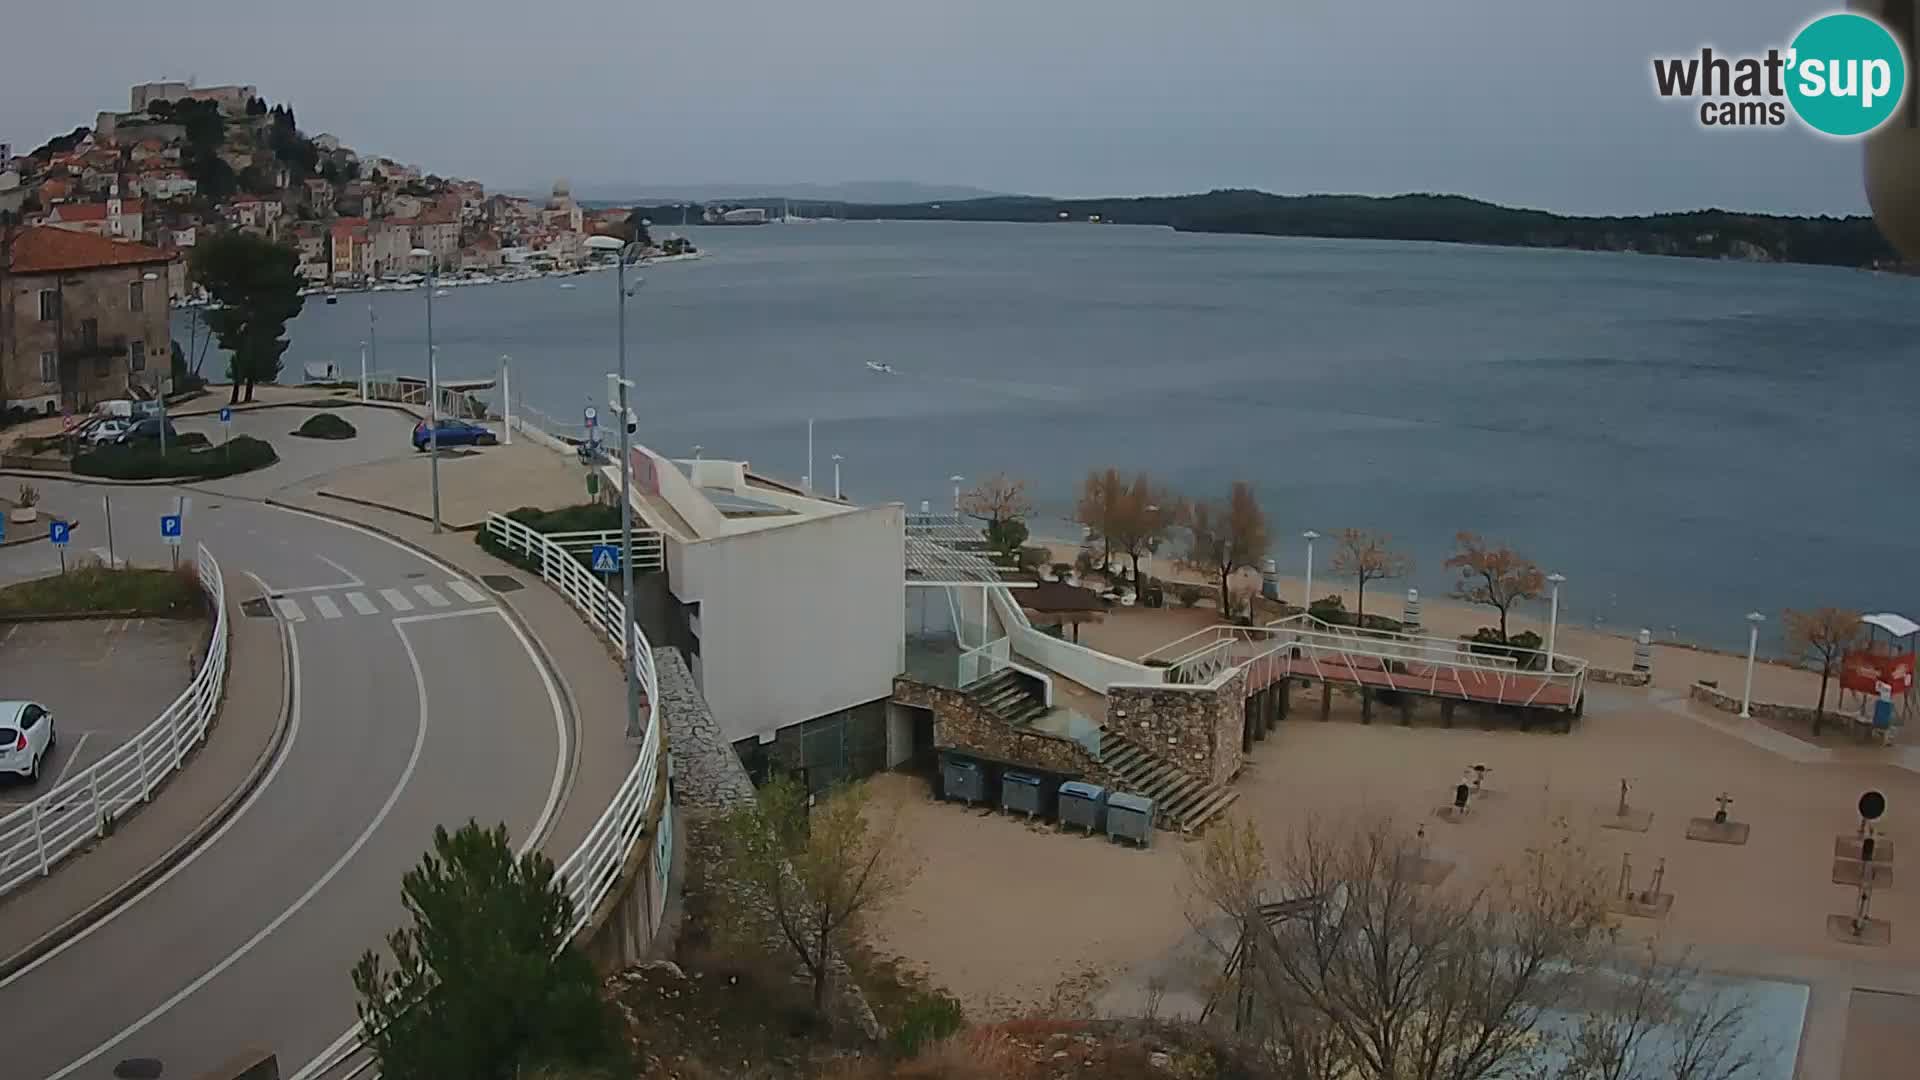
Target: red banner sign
[1865,672]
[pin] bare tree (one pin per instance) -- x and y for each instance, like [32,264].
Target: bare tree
[1102,494]
[1001,502]
[811,874]
[1498,577]
[1225,537]
[1822,636]
[1658,1020]
[1369,974]
[1366,555]
[1144,515]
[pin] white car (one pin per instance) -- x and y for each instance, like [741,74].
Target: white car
[108,430]
[26,737]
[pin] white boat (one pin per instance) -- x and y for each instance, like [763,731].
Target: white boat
[875,365]
[566,284]
[441,292]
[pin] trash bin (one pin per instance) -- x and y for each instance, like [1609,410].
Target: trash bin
[963,779]
[1020,791]
[1130,817]
[1083,805]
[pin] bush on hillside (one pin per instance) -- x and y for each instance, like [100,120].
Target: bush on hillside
[243,453]
[325,426]
[1523,647]
[585,517]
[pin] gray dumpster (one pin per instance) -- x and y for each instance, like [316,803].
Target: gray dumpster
[1021,791]
[1130,817]
[1083,805]
[963,779]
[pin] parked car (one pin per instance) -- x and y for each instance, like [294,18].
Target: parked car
[453,433]
[105,431]
[147,431]
[26,737]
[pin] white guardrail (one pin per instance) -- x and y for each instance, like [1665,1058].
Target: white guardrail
[83,807]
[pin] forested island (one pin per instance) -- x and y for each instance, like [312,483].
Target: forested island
[1709,234]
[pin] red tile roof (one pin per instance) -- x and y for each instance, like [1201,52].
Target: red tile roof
[94,211]
[47,249]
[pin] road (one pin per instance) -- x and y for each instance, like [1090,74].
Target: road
[415,703]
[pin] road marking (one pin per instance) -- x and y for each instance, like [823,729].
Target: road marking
[467,592]
[439,615]
[290,610]
[325,605]
[286,751]
[352,578]
[396,599]
[72,757]
[361,604]
[432,596]
[234,957]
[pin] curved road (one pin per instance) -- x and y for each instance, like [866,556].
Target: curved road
[415,703]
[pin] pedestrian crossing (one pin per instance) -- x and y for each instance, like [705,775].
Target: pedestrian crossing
[351,603]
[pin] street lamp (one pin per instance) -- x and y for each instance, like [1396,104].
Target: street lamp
[1553,619]
[957,481]
[161,383]
[836,477]
[433,391]
[1309,536]
[506,399]
[625,253]
[1754,619]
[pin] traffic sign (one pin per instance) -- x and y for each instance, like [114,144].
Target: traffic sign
[606,559]
[170,528]
[58,532]
[593,416]
[226,415]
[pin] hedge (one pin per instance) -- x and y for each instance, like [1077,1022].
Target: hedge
[325,426]
[243,453]
[93,588]
[585,517]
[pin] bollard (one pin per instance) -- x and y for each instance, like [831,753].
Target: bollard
[1643,653]
[1412,620]
[1270,580]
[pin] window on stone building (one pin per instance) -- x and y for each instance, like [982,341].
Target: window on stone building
[49,305]
[49,367]
[137,356]
[136,296]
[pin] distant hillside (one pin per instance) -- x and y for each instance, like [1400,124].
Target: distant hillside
[857,191]
[1720,234]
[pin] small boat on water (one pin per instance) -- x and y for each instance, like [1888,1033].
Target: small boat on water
[566,284]
[441,292]
[332,299]
[875,365]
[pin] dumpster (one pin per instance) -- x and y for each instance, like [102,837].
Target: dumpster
[1021,791]
[1130,817]
[963,779]
[1083,805]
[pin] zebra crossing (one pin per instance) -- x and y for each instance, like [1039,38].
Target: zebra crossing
[351,603]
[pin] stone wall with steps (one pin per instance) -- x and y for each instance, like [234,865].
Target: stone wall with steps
[965,724]
[1197,728]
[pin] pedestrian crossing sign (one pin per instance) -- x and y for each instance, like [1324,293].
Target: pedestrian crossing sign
[606,558]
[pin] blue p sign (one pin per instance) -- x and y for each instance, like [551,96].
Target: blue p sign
[170,528]
[58,533]
[226,415]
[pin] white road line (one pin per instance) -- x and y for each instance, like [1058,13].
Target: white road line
[325,605]
[406,777]
[432,596]
[396,599]
[72,757]
[467,592]
[286,751]
[439,615]
[290,610]
[361,604]
[352,578]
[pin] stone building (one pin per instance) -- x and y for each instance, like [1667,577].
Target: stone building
[82,318]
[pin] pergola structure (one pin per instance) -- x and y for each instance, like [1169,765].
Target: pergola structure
[944,551]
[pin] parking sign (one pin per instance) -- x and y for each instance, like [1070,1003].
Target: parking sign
[170,528]
[226,415]
[58,532]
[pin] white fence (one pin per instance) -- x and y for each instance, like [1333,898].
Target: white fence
[84,806]
[648,552]
[1094,670]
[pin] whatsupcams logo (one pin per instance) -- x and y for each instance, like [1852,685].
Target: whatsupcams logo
[1844,75]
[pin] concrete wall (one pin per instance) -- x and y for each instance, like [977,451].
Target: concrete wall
[799,620]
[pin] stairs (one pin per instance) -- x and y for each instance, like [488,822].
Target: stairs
[1007,696]
[1184,801]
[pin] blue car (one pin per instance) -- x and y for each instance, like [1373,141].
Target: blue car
[453,433]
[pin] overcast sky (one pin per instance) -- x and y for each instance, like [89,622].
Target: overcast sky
[1543,103]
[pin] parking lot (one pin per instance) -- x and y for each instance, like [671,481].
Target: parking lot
[103,679]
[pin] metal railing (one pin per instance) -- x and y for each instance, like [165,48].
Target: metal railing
[649,553]
[83,807]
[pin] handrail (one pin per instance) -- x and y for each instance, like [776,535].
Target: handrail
[84,806]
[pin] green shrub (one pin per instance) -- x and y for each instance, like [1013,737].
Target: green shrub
[1330,609]
[189,439]
[325,426]
[93,587]
[929,1017]
[243,453]
[1522,647]
[585,517]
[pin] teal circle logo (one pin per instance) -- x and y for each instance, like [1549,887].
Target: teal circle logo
[1847,74]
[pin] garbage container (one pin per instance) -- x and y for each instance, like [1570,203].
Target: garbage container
[1083,805]
[1020,791]
[1130,817]
[963,779]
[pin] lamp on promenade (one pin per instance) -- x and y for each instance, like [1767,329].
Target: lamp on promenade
[957,481]
[161,383]
[1754,619]
[1310,536]
[1553,617]
[836,477]
[433,391]
[625,253]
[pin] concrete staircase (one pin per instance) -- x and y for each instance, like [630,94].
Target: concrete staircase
[1182,800]
[1007,695]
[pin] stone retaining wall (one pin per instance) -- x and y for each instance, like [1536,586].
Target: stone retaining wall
[1195,727]
[1730,703]
[960,723]
[1619,678]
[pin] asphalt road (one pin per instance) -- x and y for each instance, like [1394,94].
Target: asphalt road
[409,713]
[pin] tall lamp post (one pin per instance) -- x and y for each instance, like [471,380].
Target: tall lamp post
[624,253]
[433,391]
[1553,618]
[957,480]
[1754,619]
[836,477]
[1309,536]
[161,383]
